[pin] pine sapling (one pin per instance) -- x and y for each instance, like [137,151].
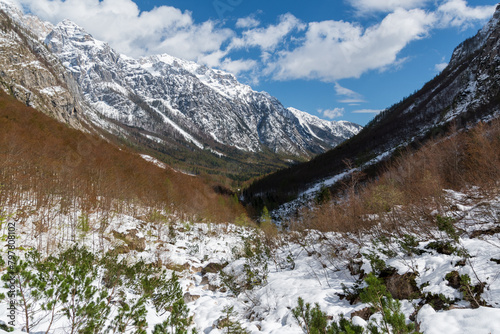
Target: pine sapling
[380,300]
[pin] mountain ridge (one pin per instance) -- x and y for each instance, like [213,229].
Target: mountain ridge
[181,105]
[464,93]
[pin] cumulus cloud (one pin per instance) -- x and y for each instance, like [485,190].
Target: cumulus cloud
[334,50]
[332,113]
[366,6]
[238,66]
[289,49]
[164,29]
[270,37]
[441,66]
[457,13]
[247,22]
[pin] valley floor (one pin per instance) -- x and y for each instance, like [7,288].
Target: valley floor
[455,271]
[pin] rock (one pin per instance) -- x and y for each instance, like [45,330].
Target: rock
[194,270]
[204,280]
[122,249]
[364,314]
[188,298]
[213,287]
[442,247]
[131,239]
[354,267]
[400,286]
[490,231]
[453,279]
[212,268]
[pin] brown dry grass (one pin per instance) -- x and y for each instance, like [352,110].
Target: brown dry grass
[409,192]
[48,164]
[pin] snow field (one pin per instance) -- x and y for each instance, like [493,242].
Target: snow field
[311,265]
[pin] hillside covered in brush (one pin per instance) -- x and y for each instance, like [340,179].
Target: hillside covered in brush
[48,164]
[465,92]
[403,254]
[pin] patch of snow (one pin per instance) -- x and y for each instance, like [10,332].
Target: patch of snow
[52,91]
[483,320]
[179,129]
[154,161]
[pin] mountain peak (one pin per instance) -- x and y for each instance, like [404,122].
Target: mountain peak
[471,45]
[170,105]
[75,32]
[222,82]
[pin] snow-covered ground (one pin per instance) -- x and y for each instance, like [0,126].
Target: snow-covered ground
[317,267]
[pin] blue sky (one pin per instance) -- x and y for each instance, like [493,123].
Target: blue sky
[340,60]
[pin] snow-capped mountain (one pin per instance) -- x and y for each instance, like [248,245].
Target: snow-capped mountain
[168,101]
[201,104]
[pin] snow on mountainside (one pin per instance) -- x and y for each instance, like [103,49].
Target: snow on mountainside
[319,128]
[178,101]
[464,93]
[224,83]
[34,75]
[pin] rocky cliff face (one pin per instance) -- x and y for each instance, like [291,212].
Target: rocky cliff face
[31,73]
[161,94]
[160,99]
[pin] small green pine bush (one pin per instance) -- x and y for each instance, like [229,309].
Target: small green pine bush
[380,300]
[315,321]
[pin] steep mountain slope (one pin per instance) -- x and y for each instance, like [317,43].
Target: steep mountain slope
[467,91]
[165,95]
[44,162]
[176,108]
[33,74]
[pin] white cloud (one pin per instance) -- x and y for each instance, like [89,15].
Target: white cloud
[334,50]
[350,95]
[195,42]
[247,22]
[366,6]
[456,13]
[290,49]
[368,111]
[352,102]
[441,66]
[164,29]
[270,37]
[332,113]
[239,65]
[345,91]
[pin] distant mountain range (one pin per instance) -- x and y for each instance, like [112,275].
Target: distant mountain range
[171,108]
[465,92]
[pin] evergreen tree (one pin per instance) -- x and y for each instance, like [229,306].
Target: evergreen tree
[85,306]
[323,196]
[380,300]
[315,321]
[29,288]
[131,316]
